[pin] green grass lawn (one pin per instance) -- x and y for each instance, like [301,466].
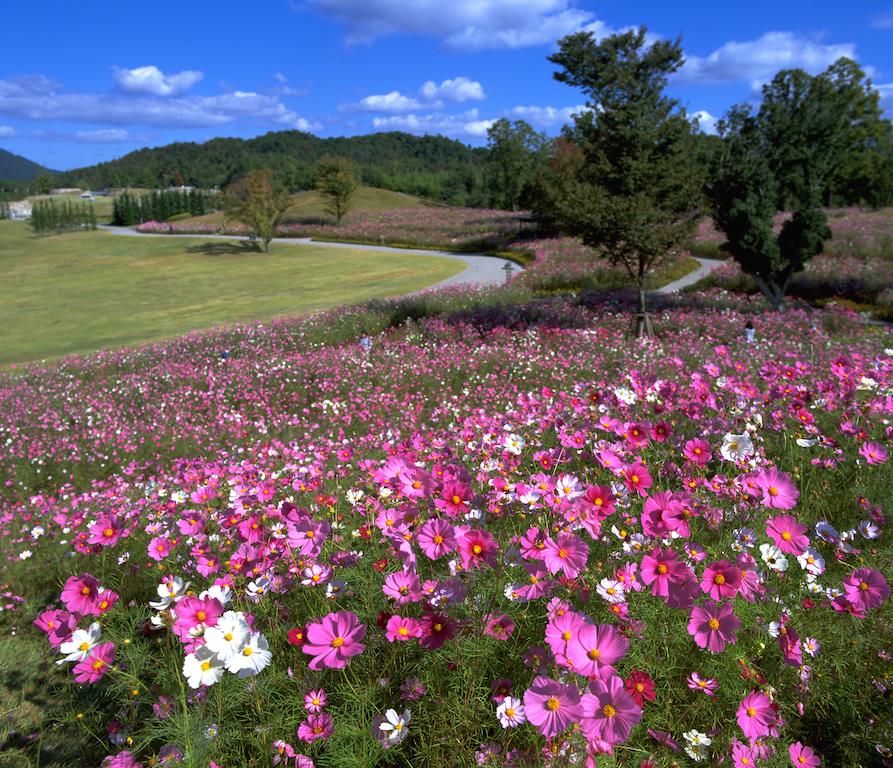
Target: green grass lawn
[310,205]
[89,290]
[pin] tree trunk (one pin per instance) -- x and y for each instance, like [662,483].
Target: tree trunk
[643,320]
[773,292]
[267,245]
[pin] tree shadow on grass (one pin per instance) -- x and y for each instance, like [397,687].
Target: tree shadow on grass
[228,248]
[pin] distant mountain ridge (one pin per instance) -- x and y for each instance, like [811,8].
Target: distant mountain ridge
[17,168]
[423,165]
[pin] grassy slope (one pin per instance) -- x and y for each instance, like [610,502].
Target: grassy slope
[309,205]
[84,291]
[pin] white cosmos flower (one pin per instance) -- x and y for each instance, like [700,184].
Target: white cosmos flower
[568,487]
[625,395]
[81,642]
[229,636]
[170,592]
[611,590]
[511,712]
[396,725]
[217,592]
[258,588]
[736,447]
[514,444]
[253,658]
[203,667]
[811,562]
[773,557]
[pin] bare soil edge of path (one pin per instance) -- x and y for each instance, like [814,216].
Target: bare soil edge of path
[705,268]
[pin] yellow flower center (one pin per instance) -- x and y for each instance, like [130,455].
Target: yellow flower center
[773,491]
[206,665]
[751,712]
[201,615]
[337,642]
[455,499]
[438,539]
[713,624]
[84,646]
[477,549]
[661,569]
[98,664]
[108,533]
[247,651]
[786,535]
[719,579]
[552,704]
[562,553]
[609,711]
[594,654]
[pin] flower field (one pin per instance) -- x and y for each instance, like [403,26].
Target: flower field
[481,542]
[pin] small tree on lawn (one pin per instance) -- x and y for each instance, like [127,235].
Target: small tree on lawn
[337,183]
[636,198]
[255,201]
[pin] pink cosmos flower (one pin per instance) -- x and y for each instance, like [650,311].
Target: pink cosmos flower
[788,534]
[159,548]
[609,713]
[757,715]
[743,755]
[713,626]
[79,595]
[697,451]
[706,685]
[453,500]
[403,586]
[125,759]
[192,612]
[106,531]
[307,535]
[436,538]
[566,553]
[803,756]
[332,641]
[600,499]
[436,629]
[283,752]
[551,706]
[561,629]
[476,547]
[593,649]
[873,453]
[660,569]
[95,664]
[315,701]
[58,626]
[401,628]
[105,600]
[866,588]
[637,478]
[776,489]
[316,727]
[498,625]
[721,579]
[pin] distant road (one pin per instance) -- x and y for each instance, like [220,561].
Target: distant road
[479,268]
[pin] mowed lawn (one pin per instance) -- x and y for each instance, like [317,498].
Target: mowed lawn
[89,290]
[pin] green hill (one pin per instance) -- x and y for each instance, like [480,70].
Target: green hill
[17,168]
[427,166]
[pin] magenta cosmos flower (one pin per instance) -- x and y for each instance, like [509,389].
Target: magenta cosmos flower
[316,727]
[565,553]
[873,453]
[757,715]
[592,650]
[697,451]
[106,531]
[476,547]
[803,756]
[79,595]
[58,626]
[788,534]
[551,706]
[436,538]
[866,588]
[334,640]
[721,579]
[776,489]
[660,569]
[94,666]
[609,713]
[713,626]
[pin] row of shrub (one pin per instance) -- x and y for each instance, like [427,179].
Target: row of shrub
[51,217]
[160,205]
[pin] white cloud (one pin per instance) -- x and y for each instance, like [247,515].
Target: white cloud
[103,136]
[38,98]
[706,122]
[886,92]
[465,124]
[308,126]
[478,127]
[458,89]
[6,131]
[151,81]
[758,60]
[546,117]
[387,102]
[461,24]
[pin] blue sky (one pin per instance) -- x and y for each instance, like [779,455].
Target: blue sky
[86,82]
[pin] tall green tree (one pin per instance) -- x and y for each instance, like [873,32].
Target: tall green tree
[336,182]
[256,201]
[636,196]
[516,151]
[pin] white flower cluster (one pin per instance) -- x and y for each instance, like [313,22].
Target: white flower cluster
[229,645]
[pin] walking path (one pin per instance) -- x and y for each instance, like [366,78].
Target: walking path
[707,266]
[479,269]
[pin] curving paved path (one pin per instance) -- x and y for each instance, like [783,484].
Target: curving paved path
[707,266]
[479,269]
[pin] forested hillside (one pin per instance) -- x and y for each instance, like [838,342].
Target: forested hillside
[429,166]
[17,168]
